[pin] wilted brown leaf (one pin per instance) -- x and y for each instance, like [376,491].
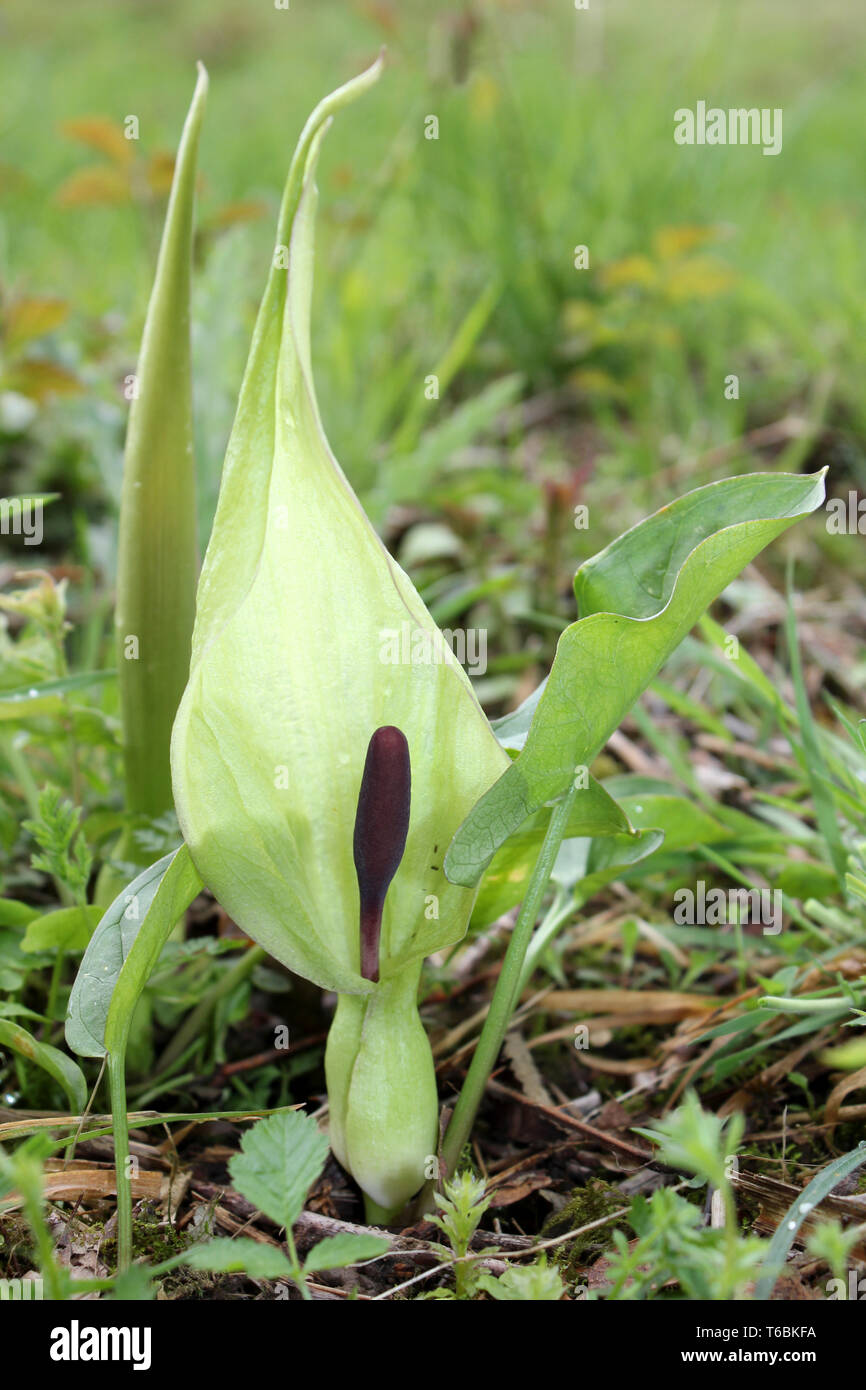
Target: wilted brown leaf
[94,187]
[30,318]
[38,379]
[99,133]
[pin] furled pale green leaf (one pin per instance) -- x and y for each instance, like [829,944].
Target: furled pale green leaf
[66,929]
[334,1252]
[225,1256]
[103,960]
[299,610]
[157,559]
[638,599]
[65,1072]
[280,1159]
[109,948]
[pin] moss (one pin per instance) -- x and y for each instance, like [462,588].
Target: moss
[16,1247]
[586,1204]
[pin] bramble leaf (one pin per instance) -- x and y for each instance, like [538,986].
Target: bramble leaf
[239,1254]
[334,1252]
[280,1159]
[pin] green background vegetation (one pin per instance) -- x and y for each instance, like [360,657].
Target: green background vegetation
[555,129]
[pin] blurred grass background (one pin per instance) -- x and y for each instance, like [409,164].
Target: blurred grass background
[451,256]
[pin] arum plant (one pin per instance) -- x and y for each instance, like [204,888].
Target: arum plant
[295,743]
[318,787]
[343,807]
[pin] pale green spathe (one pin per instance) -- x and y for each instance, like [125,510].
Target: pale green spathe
[286,687]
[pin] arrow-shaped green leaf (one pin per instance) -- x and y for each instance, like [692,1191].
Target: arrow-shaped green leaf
[158,897]
[639,598]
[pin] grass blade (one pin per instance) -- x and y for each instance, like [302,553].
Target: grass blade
[786,1232]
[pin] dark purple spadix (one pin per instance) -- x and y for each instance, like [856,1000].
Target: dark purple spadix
[381,826]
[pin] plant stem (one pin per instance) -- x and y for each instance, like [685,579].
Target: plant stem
[507,990]
[298,1273]
[120,1129]
[380,1216]
[563,906]
[33,1195]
